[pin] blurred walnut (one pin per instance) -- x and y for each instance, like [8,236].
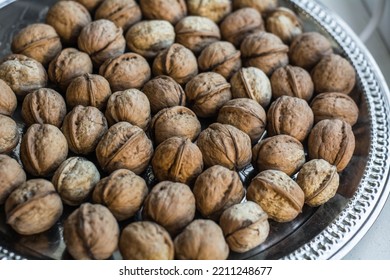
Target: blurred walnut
[9,134]
[263,6]
[91,5]
[284,23]
[169,10]
[214,10]
[8,101]
[12,176]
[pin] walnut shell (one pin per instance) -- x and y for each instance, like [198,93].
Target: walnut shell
[170,10]
[12,176]
[9,134]
[91,5]
[263,6]
[8,101]
[214,10]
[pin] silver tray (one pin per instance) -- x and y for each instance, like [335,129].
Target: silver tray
[326,232]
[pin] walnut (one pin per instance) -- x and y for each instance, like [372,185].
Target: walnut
[9,134]
[12,176]
[214,10]
[263,6]
[33,207]
[91,5]
[169,10]
[8,101]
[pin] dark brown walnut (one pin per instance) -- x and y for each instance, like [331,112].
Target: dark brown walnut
[124,146]
[12,176]
[319,181]
[9,134]
[223,144]
[201,240]
[307,49]
[69,64]
[206,93]
[22,74]
[146,241]
[333,73]
[83,128]
[170,10]
[74,17]
[177,159]
[292,81]
[245,114]
[164,92]
[214,10]
[263,6]
[265,51]
[196,33]
[44,105]
[38,41]
[220,57]
[175,121]
[43,149]
[91,5]
[129,70]
[33,207]
[245,226]
[131,106]
[91,232]
[241,23]
[8,101]
[171,205]
[216,189]
[124,13]
[252,83]
[122,192]
[334,105]
[177,62]
[333,141]
[291,116]
[75,179]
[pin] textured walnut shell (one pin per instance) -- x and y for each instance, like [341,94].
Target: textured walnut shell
[170,10]
[122,192]
[75,179]
[214,10]
[91,5]
[333,141]
[124,146]
[177,62]
[9,134]
[44,105]
[175,121]
[319,181]
[12,176]
[146,241]
[223,144]
[38,41]
[245,226]
[216,189]
[245,114]
[284,23]
[177,159]
[91,232]
[129,70]
[263,6]
[201,240]
[291,116]
[33,207]
[8,101]
[279,195]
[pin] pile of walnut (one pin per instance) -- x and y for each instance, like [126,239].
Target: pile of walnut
[131,83]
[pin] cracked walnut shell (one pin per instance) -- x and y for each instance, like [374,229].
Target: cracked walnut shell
[169,10]
[12,176]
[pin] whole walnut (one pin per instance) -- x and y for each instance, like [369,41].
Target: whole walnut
[292,81]
[333,141]
[9,134]
[83,128]
[91,232]
[223,144]
[216,189]
[214,10]
[124,146]
[277,194]
[129,70]
[91,5]
[284,23]
[33,207]
[8,101]
[241,23]
[22,74]
[307,49]
[171,205]
[12,176]
[245,226]
[101,40]
[145,241]
[44,105]
[164,92]
[263,6]
[206,93]
[175,121]
[43,149]
[38,41]
[170,10]
[201,240]
[74,17]
[252,83]
[123,192]
[88,90]
[69,64]
[220,57]
[177,62]
[75,179]
[177,159]
[196,33]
